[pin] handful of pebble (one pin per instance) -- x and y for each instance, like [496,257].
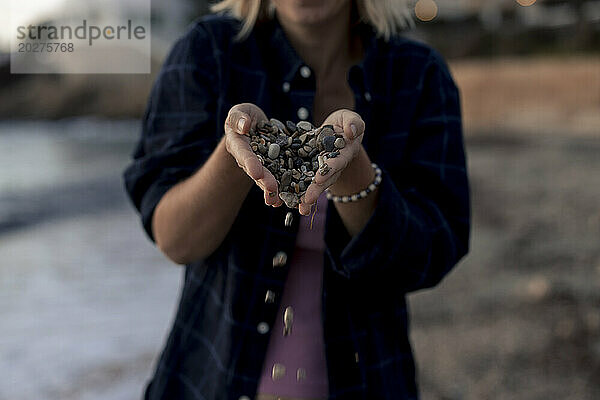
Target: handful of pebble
[294,154]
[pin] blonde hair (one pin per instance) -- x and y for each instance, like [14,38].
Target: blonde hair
[388,17]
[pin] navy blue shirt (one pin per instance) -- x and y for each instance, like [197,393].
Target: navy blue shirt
[419,230]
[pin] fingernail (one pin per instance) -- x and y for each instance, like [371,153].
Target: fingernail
[241,124]
[353,129]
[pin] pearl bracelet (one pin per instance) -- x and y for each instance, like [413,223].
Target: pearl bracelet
[360,195]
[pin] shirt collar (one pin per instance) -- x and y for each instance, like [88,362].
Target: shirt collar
[288,62]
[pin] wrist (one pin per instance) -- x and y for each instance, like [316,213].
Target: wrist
[356,176]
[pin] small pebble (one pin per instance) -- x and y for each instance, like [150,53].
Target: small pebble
[291,127]
[290,199]
[339,143]
[274,150]
[282,140]
[328,143]
[280,126]
[305,126]
[286,178]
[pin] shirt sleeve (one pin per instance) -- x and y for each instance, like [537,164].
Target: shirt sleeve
[420,226]
[178,126]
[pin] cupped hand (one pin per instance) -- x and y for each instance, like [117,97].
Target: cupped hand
[241,118]
[351,126]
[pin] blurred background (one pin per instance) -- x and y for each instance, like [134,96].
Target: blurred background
[86,300]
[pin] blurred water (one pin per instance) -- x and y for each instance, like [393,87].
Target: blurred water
[56,169]
[40,154]
[85,299]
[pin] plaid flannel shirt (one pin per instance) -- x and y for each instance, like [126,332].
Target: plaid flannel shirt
[417,233]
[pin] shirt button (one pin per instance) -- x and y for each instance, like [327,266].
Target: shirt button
[305,71]
[269,296]
[367,96]
[302,113]
[262,328]
[285,87]
[280,259]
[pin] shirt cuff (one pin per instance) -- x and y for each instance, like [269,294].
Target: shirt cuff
[380,240]
[149,203]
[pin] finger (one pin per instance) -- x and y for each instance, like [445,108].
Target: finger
[321,182]
[352,124]
[245,157]
[270,188]
[304,209]
[270,197]
[334,165]
[240,150]
[255,112]
[238,121]
[316,188]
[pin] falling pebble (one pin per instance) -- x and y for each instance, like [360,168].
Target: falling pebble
[289,217]
[278,371]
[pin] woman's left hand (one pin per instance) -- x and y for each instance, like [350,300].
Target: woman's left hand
[351,126]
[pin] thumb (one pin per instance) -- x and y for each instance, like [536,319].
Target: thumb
[239,122]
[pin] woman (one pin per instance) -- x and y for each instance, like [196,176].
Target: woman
[275,310]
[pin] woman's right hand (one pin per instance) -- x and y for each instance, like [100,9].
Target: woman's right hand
[240,119]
